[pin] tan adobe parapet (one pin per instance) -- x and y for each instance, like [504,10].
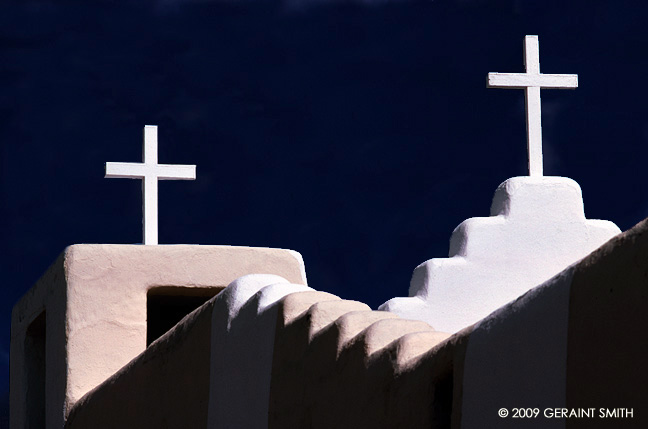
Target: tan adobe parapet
[94,300]
[251,323]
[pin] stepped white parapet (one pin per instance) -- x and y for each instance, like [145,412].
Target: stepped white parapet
[537,228]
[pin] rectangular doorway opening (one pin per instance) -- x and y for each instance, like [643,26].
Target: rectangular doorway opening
[35,364]
[443,400]
[167,305]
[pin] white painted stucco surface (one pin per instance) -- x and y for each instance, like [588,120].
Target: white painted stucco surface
[532,372]
[536,229]
[243,333]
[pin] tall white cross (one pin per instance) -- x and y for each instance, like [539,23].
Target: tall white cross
[531,82]
[150,172]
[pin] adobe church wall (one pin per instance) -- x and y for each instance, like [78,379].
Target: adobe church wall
[608,321]
[95,299]
[282,355]
[165,386]
[573,342]
[268,353]
[338,364]
[49,294]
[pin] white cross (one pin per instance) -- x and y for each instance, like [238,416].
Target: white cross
[150,172]
[531,82]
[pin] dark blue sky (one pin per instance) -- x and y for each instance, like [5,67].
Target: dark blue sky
[358,133]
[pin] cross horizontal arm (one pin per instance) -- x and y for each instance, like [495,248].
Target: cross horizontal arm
[125,170]
[131,170]
[523,80]
[175,172]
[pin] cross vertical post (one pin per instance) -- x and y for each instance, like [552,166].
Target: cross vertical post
[150,172]
[532,81]
[533,107]
[150,187]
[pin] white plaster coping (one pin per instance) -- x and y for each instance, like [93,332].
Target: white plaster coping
[243,333]
[536,229]
[383,332]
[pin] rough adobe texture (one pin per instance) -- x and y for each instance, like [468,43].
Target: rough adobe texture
[166,386]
